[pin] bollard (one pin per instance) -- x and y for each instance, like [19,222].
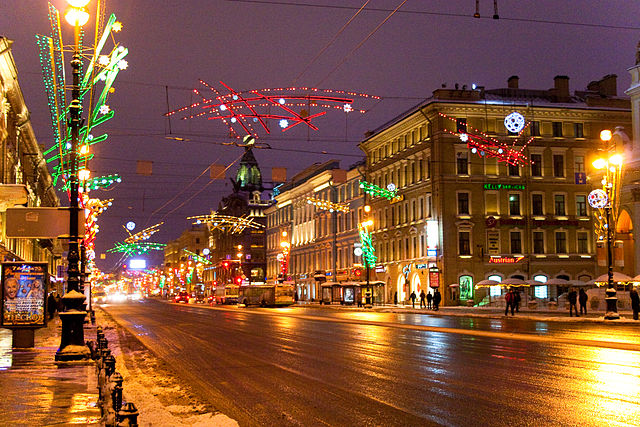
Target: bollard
[128,415]
[109,364]
[99,333]
[92,316]
[116,392]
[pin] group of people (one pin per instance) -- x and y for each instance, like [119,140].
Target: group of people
[577,297]
[427,300]
[512,299]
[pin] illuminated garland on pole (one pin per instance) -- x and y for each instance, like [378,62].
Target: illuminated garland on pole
[326,205]
[375,191]
[368,252]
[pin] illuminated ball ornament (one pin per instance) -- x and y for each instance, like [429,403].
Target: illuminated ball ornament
[391,187]
[514,122]
[131,225]
[357,251]
[598,199]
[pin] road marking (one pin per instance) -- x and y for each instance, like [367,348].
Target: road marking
[443,329]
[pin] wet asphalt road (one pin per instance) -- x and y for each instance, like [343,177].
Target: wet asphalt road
[308,367]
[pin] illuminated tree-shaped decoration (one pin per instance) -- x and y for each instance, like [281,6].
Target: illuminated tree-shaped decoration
[368,252]
[375,191]
[326,205]
[136,248]
[241,111]
[144,234]
[103,67]
[226,223]
[510,151]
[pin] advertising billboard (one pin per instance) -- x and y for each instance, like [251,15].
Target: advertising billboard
[24,287]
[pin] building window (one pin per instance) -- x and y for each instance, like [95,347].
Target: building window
[535,128]
[540,291]
[514,204]
[578,164]
[561,242]
[462,163]
[557,129]
[578,130]
[463,203]
[581,205]
[583,242]
[514,170]
[559,204]
[536,165]
[538,242]
[558,165]
[516,242]
[491,166]
[536,204]
[464,243]
[491,203]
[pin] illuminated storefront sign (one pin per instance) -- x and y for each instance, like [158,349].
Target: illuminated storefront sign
[23,294]
[505,260]
[434,278]
[503,186]
[466,287]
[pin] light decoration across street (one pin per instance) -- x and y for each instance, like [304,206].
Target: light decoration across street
[510,151]
[137,248]
[95,87]
[144,234]
[326,205]
[368,252]
[197,258]
[226,223]
[243,112]
[375,191]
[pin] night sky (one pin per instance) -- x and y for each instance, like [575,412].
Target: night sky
[260,44]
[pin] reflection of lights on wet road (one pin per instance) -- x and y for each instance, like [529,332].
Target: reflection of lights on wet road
[5,348]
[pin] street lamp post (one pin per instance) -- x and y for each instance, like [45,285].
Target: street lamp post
[605,199]
[72,346]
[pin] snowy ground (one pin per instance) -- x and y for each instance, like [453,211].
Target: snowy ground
[160,398]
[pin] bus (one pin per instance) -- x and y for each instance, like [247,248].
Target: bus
[225,294]
[275,295]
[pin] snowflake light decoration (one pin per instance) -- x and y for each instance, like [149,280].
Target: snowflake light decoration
[514,122]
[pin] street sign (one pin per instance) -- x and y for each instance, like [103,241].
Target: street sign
[41,223]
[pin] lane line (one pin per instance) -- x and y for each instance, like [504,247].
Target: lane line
[442,329]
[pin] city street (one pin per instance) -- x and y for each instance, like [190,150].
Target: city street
[307,366]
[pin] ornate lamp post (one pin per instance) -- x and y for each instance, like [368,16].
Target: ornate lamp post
[72,346]
[606,199]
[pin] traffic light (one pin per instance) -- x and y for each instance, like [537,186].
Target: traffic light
[238,280]
[225,264]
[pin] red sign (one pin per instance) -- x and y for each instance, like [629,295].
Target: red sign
[505,260]
[490,222]
[434,278]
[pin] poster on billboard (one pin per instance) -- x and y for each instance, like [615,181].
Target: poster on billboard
[24,287]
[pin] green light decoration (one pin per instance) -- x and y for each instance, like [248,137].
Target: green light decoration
[97,183]
[197,258]
[375,191]
[368,252]
[103,69]
[137,248]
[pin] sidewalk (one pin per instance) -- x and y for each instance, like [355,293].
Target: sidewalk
[37,392]
[559,315]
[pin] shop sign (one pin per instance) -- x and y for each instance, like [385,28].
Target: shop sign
[23,294]
[434,278]
[504,186]
[380,269]
[421,266]
[505,259]
[431,252]
[493,242]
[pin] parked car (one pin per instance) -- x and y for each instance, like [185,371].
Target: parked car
[199,298]
[182,297]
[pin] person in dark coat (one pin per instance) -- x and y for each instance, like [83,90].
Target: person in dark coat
[516,300]
[395,298]
[51,305]
[437,297]
[509,300]
[573,300]
[635,302]
[582,299]
[59,303]
[413,299]
[422,299]
[429,298]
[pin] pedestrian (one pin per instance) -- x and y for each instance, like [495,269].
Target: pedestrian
[51,305]
[413,299]
[582,299]
[395,298]
[437,297]
[59,303]
[635,302]
[422,299]
[516,300]
[573,300]
[509,300]
[429,298]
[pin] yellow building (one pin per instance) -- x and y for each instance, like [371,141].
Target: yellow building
[463,214]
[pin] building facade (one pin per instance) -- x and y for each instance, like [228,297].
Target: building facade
[463,215]
[24,177]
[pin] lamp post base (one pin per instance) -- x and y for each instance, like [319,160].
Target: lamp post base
[72,345]
[612,304]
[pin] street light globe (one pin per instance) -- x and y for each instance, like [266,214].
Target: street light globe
[605,135]
[284,234]
[84,174]
[76,17]
[599,163]
[78,3]
[367,208]
[616,159]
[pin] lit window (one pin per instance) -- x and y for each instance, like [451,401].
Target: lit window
[541,291]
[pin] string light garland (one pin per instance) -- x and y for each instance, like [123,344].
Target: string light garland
[144,234]
[226,223]
[375,191]
[137,248]
[368,252]
[197,258]
[240,111]
[326,205]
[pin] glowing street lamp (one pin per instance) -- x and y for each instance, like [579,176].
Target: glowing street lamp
[606,199]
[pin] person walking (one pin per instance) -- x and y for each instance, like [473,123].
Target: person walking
[423,297]
[573,299]
[582,299]
[635,302]
[395,298]
[429,299]
[516,300]
[413,299]
[437,297]
[509,300]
